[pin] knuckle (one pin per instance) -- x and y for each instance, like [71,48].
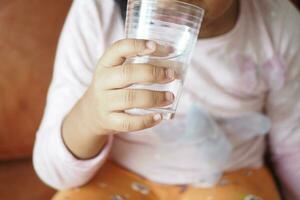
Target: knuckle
[145,123]
[138,45]
[126,72]
[126,125]
[129,97]
[157,98]
[157,73]
[147,99]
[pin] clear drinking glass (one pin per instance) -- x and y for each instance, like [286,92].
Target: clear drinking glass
[172,24]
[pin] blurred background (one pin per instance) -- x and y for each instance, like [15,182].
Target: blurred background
[29,30]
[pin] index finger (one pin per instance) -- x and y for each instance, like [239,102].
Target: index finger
[122,49]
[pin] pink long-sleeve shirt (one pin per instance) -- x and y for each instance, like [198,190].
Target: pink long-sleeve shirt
[242,85]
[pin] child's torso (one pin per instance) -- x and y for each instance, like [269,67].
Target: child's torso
[224,95]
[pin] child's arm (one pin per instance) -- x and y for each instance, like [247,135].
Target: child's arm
[77,53]
[283,105]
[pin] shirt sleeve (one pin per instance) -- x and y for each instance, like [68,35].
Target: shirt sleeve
[81,44]
[283,104]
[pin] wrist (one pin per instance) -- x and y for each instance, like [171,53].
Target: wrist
[80,142]
[89,117]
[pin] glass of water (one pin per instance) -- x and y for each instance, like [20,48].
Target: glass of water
[172,24]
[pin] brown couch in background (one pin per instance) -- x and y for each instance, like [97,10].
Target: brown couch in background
[29,30]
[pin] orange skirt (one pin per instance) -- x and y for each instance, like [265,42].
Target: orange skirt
[115,183]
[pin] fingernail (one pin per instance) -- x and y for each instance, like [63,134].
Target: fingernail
[171,49]
[151,45]
[169,96]
[157,117]
[150,48]
[170,74]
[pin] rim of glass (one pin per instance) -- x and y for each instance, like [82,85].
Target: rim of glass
[183,13]
[198,15]
[178,2]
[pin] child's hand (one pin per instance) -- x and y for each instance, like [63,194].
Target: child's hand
[107,97]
